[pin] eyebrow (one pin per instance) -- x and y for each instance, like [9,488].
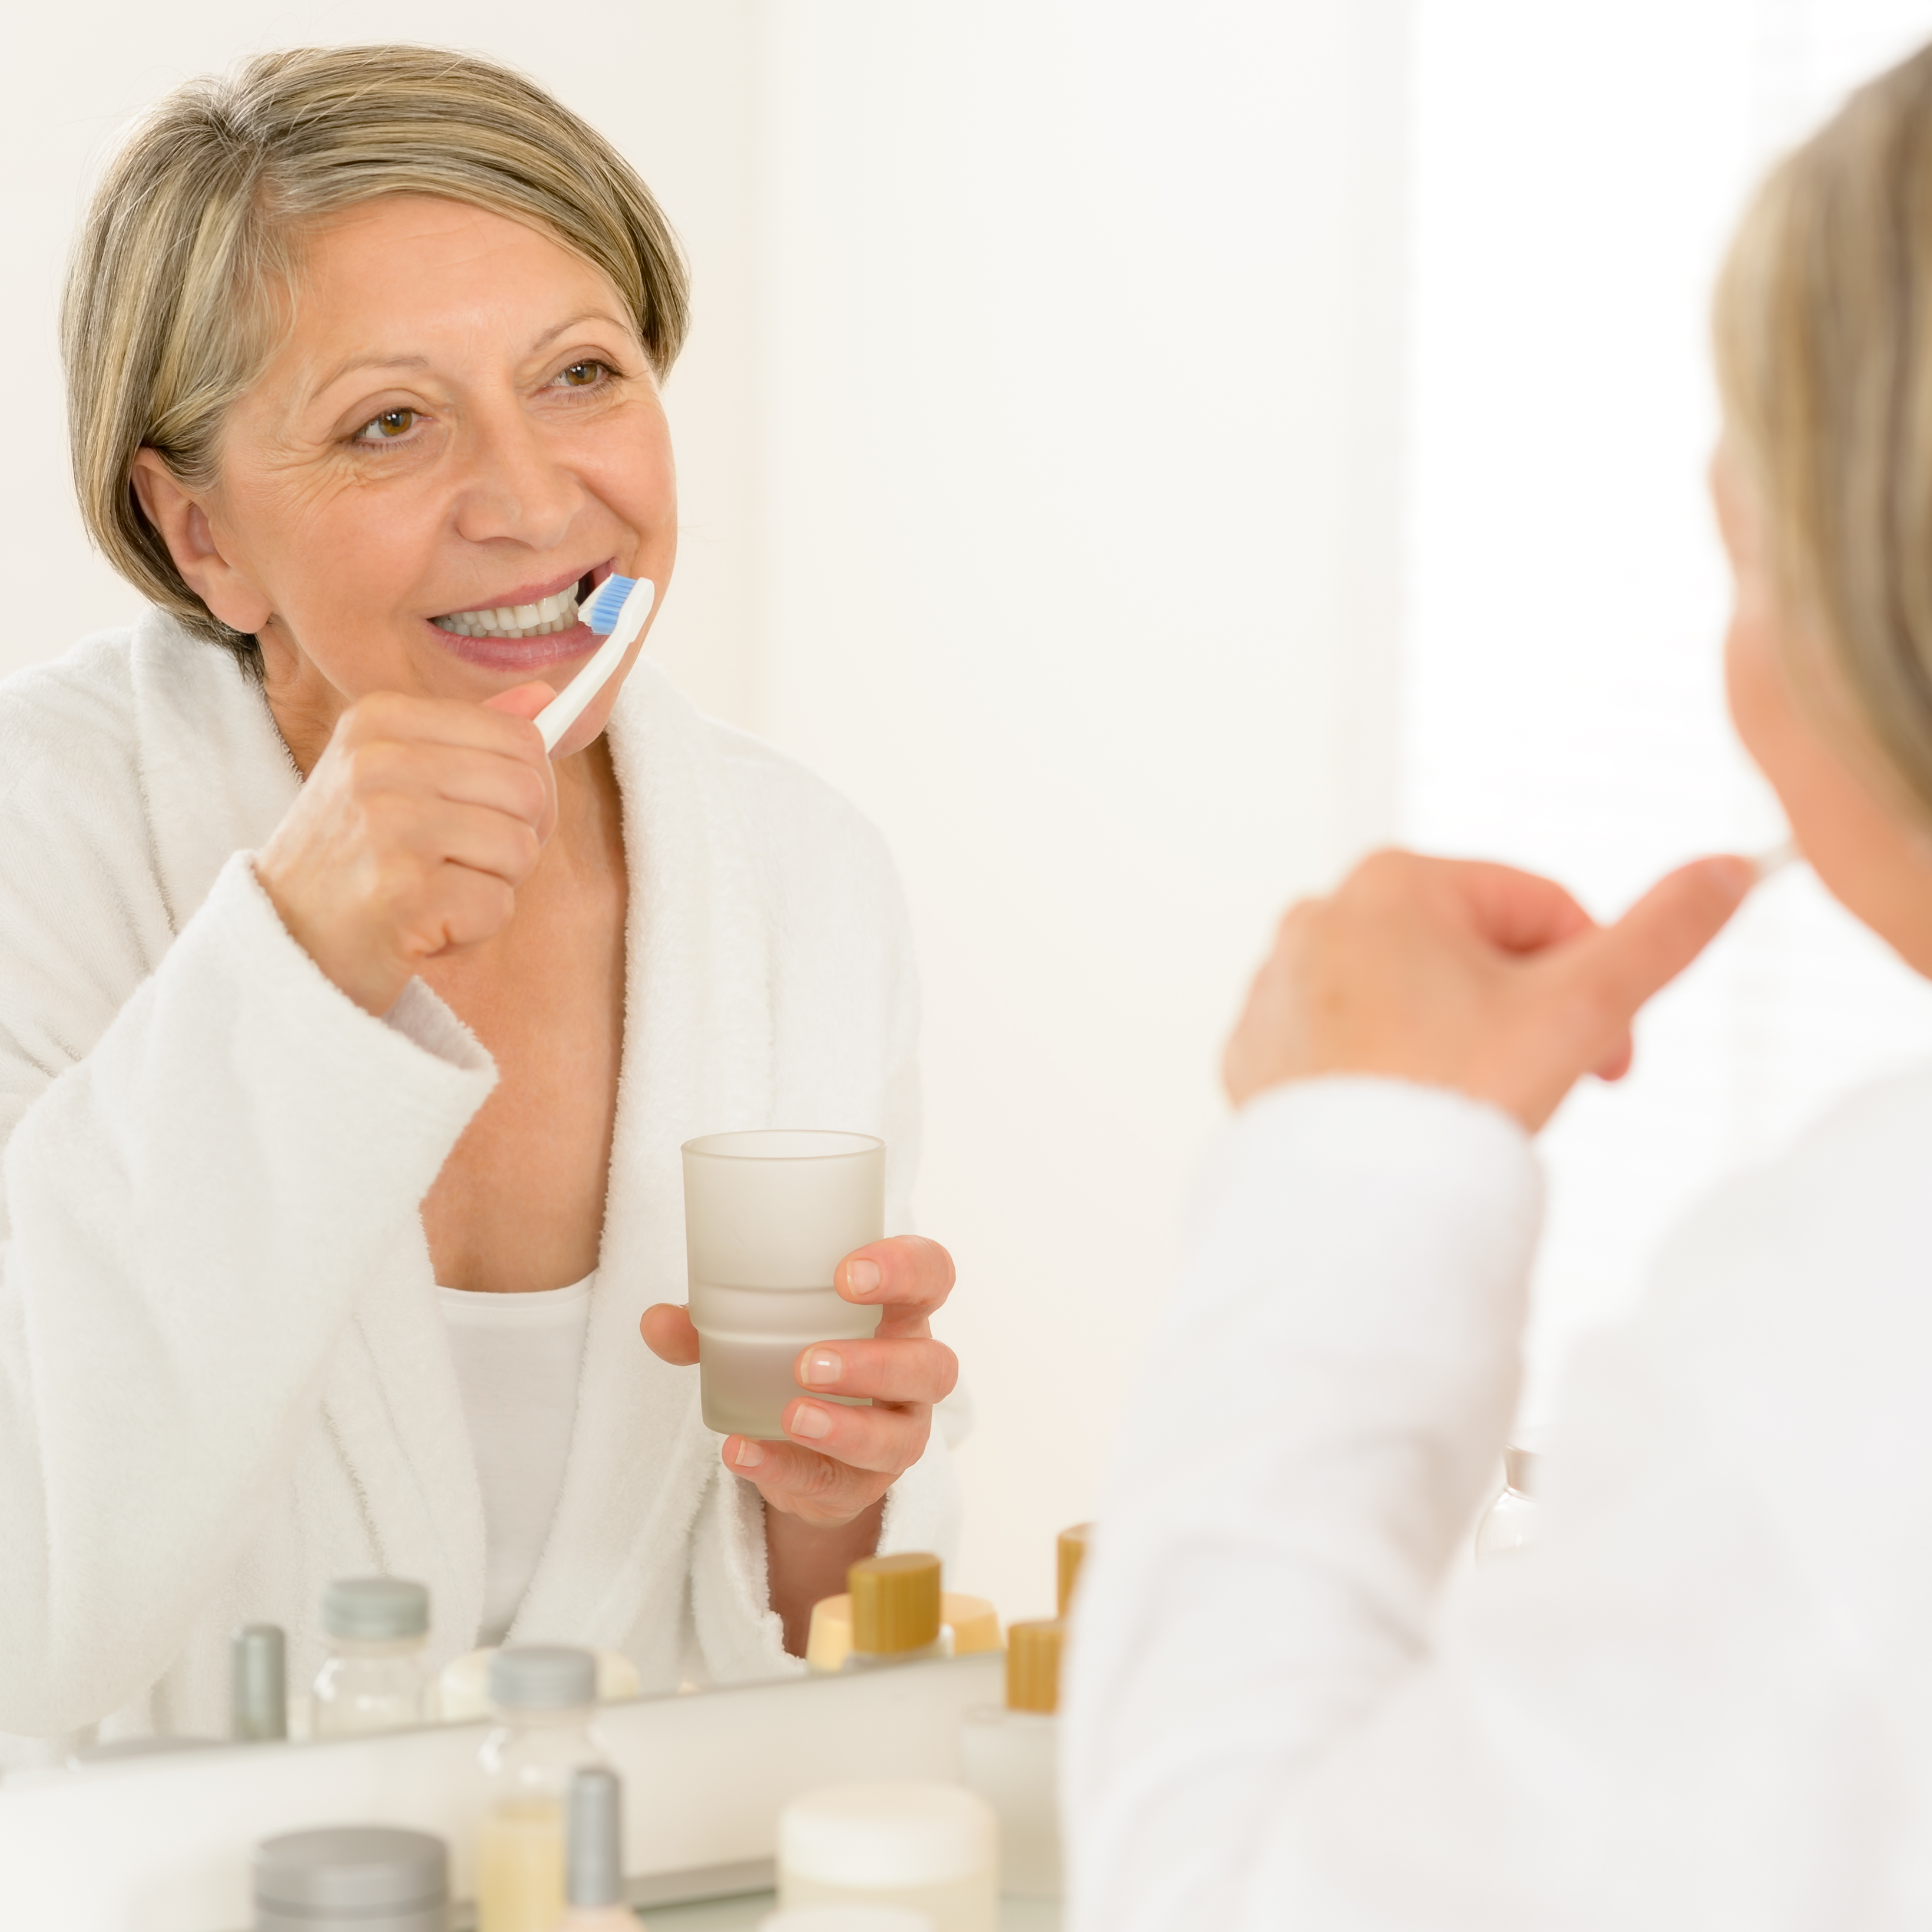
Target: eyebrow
[350,365]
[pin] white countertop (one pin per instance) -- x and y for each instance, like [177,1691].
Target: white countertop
[742,1914]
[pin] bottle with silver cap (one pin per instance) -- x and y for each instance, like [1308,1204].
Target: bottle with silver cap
[258,1684]
[543,1697]
[374,1878]
[373,1679]
[595,1878]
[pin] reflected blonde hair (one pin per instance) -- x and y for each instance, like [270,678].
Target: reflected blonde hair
[179,279]
[1823,327]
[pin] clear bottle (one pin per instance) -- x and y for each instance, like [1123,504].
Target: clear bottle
[1510,1522]
[373,1679]
[896,1604]
[595,1875]
[545,1698]
[1010,1756]
[258,1684]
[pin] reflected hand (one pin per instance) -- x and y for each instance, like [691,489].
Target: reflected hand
[839,1461]
[1477,977]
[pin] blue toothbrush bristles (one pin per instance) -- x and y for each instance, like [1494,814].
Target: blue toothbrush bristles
[601,612]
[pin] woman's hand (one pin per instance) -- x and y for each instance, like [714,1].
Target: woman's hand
[839,1461]
[1477,977]
[418,822]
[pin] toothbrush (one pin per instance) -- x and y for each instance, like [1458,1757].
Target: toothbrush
[1776,859]
[616,612]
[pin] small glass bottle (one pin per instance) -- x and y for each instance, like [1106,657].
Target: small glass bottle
[1010,1756]
[258,1684]
[373,1679]
[1510,1523]
[896,1602]
[545,1698]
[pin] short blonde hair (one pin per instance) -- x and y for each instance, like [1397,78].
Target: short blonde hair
[195,230]
[1822,326]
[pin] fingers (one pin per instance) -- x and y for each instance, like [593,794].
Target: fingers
[905,1274]
[1518,912]
[800,1482]
[521,701]
[916,1370]
[668,1333]
[1626,963]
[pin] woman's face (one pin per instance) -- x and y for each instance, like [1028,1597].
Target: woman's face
[461,420]
[1863,842]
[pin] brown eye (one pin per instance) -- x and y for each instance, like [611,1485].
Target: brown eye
[389,425]
[583,375]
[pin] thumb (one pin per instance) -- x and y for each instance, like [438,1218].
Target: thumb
[521,700]
[1625,964]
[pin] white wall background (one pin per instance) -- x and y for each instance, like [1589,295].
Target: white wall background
[1039,439]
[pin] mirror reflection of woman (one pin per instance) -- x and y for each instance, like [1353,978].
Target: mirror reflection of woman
[1700,1700]
[346,1039]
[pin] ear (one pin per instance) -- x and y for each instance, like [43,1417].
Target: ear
[184,527]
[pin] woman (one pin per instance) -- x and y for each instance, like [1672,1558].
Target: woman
[346,1040]
[1704,1697]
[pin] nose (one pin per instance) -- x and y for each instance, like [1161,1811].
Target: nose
[512,485]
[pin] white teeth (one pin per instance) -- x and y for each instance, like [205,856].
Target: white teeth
[542,619]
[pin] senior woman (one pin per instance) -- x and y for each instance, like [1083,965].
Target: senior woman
[346,1040]
[1704,1698]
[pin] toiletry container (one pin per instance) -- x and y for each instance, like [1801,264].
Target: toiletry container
[911,1844]
[973,1620]
[1510,1522]
[846,1918]
[594,1861]
[1071,1552]
[1010,1756]
[896,1603]
[258,1684]
[543,1696]
[374,1678]
[352,1878]
[462,1691]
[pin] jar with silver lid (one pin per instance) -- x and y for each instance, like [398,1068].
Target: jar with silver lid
[375,1878]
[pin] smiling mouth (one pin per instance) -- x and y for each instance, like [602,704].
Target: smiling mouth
[545,619]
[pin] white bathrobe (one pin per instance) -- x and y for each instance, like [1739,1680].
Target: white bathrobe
[224,1379]
[1702,1700]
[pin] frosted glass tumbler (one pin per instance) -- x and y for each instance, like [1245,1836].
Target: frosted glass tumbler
[768,1215]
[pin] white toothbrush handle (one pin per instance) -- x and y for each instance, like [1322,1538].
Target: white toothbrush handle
[568,705]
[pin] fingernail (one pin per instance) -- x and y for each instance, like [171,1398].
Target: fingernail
[823,1368]
[862,1276]
[809,1420]
[749,1455]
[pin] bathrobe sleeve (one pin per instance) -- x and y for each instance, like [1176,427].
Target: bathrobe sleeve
[195,1182]
[1699,1699]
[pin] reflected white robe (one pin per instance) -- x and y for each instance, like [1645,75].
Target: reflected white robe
[1702,1699]
[224,1379]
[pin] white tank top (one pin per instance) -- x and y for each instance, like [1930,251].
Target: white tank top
[518,1359]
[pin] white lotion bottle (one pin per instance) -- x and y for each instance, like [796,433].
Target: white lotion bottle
[908,1845]
[1010,1756]
[374,1678]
